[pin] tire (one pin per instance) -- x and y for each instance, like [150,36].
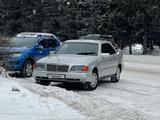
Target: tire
[93,85]
[116,77]
[27,69]
[43,82]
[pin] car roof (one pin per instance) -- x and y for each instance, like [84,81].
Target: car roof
[34,34]
[88,41]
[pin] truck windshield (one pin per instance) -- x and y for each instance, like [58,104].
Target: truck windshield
[22,41]
[78,48]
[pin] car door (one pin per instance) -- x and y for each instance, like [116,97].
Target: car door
[109,59]
[42,49]
[52,43]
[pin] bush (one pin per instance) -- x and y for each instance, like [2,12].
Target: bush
[3,41]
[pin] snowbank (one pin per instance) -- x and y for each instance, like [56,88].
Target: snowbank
[156,51]
[147,64]
[18,103]
[142,59]
[137,49]
[3,72]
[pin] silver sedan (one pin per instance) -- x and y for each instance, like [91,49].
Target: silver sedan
[82,61]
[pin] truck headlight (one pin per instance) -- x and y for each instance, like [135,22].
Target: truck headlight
[40,66]
[79,68]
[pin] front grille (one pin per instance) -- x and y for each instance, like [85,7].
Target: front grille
[57,68]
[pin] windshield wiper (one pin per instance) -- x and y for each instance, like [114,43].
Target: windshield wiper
[86,53]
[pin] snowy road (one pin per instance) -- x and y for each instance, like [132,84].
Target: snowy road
[135,97]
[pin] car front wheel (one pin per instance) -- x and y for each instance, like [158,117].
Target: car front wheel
[116,77]
[27,69]
[93,85]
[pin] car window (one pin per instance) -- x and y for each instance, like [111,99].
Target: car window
[107,48]
[52,43]
[22,41]
[43,43]
[78,48]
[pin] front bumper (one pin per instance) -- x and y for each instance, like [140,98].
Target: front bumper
[63,77]
[10,68]
[13,64]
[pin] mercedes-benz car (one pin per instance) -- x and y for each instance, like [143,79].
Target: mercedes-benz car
[82,61]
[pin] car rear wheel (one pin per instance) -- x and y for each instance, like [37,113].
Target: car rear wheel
[93,85]
[43,82]
[27,69]
[116,77]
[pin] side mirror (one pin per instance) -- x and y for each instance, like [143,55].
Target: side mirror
[105,55]
[39,48]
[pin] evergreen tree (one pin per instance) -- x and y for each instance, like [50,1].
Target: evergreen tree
[130,21]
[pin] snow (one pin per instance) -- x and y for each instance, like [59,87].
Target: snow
[135,97]
[142,59]
[94,104]
[156,51]
[137,49]
[18,103]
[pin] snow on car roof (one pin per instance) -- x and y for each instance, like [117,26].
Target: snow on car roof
[89,40]
[34,34]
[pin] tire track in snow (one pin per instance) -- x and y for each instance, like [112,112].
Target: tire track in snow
[91,106]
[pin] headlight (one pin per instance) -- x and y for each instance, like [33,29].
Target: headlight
[39,66]
[16,55]
[79,68]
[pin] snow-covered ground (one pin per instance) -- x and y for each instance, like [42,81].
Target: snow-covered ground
[137,49]
[156,51]
[135,97]
[18,103]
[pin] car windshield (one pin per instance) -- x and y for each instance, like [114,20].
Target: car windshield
[22,41]
[78,48]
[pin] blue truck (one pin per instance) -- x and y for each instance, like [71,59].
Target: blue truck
[25,49]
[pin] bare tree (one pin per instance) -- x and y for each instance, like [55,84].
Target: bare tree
[3,51]
[3,40]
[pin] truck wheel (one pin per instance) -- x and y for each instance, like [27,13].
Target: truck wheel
[116,77]
[27,69]
[93,85]
[43,82]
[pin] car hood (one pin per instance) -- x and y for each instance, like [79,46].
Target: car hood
[68,59]
[13,49]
